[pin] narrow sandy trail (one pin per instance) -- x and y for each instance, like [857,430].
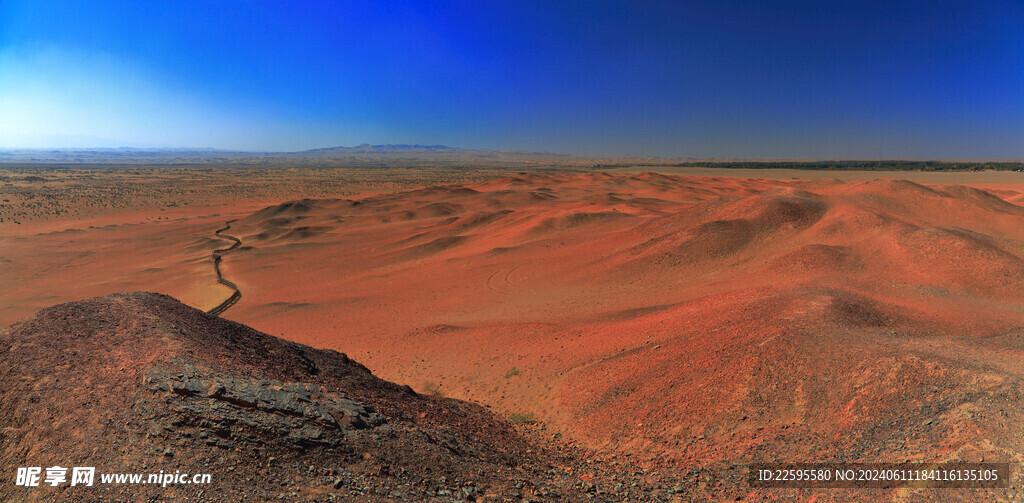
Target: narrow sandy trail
[217,257]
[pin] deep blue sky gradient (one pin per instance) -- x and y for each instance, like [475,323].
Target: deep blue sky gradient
[729,79]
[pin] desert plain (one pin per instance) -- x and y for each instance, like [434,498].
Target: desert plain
[671,318]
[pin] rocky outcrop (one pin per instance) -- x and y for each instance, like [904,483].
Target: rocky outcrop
[142,383]
[225,411]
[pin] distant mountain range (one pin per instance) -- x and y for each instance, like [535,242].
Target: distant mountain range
[366,147]
[413,155]
[365,154]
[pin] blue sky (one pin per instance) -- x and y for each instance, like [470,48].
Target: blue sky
[736,79]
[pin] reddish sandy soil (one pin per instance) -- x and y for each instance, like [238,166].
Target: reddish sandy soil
[96,256]
[698,319]
[679,319]
[70,233]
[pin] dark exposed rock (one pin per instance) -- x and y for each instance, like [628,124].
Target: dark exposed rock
[301,413]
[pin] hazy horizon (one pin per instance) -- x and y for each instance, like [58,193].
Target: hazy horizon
[448,148]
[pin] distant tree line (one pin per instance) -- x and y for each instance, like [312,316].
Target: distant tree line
[854,165]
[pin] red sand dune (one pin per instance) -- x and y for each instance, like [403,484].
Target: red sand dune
[698,319]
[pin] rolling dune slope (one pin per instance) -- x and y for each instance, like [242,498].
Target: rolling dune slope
[690,319]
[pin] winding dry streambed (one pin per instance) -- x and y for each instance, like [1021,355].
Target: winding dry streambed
[217,257]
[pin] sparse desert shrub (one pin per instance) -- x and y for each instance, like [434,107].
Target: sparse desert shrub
[511,372]
[522,418]
[432,388]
